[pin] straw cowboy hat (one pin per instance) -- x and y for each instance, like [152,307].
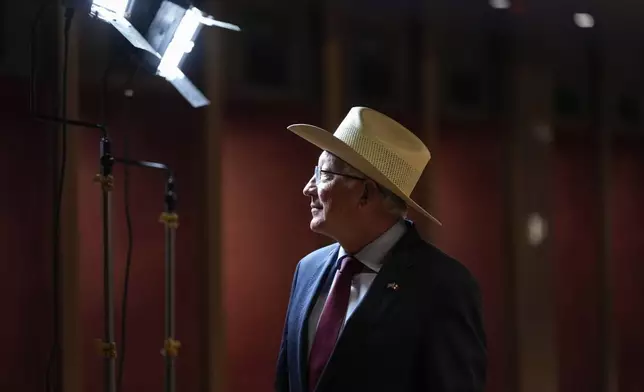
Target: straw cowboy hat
[378,146]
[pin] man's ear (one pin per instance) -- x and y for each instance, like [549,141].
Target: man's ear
[369,191]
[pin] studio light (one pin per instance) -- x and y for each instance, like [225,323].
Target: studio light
[172,34]
[116,12]
[116,7]
[170,38]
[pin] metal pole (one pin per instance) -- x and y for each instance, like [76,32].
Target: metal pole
[108,346]
[171,346]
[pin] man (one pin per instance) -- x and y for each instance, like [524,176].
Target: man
[381,309]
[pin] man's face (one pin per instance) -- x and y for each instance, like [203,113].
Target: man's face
[334,198]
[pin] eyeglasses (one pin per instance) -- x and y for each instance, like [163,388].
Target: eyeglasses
[318,174]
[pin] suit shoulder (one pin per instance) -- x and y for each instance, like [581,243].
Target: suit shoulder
[313,261]
[317,256]
[448,283]
[444,268]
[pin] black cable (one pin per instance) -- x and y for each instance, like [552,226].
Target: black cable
[128,263]
[33,60]
[130,245]
[54,357]
[104,114]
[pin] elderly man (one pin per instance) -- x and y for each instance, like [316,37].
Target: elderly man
[381,309]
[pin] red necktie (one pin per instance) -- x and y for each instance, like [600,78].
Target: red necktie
[332,318]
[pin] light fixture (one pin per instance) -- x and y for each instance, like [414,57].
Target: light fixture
[116,13]
[583,20]
[116,7]
[172,34]
[170,37]
[536,229]
[500,4]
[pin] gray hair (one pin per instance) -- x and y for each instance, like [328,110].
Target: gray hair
[395,204]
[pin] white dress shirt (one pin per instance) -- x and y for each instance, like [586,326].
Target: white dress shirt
[371,256]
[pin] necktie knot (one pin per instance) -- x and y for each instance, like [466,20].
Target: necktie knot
[350,266]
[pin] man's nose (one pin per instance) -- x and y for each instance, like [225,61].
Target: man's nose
[309,188]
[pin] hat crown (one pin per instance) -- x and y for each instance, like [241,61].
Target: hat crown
[390,147]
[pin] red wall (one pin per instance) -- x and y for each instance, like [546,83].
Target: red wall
[575,255]
[575,239]
[469,193]
[25,221]
[266,232]
[627,236]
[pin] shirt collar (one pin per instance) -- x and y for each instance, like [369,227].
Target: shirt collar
[373,254]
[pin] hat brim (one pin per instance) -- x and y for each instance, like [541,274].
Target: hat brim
[326,141]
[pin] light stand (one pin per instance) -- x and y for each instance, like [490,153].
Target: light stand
[171,346]
[170,219]
[108,346]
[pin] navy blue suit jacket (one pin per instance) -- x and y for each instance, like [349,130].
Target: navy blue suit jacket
[425,336]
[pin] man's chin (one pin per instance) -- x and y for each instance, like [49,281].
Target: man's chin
[316,225]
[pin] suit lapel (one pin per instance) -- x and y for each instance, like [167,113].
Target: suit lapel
[313,286]
[384,290]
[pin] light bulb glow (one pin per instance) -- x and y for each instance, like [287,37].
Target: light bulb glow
[500,4]
[585,21]
[182,43]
